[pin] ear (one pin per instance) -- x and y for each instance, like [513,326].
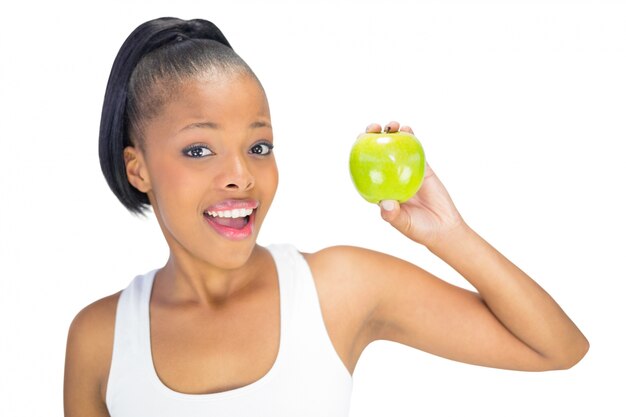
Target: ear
[136,170]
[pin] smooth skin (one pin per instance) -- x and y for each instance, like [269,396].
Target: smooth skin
[215,316]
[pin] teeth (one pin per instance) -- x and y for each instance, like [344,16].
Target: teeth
[231,213]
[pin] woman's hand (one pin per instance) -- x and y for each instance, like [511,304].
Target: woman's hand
[430,214]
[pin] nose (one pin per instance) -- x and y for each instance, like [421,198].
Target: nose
[236,174]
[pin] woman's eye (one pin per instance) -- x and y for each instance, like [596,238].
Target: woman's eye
[197,151]
[264,148]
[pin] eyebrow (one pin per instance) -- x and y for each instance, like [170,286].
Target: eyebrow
[204,125]
[211,125]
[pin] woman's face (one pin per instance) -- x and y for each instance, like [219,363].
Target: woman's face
[208,168]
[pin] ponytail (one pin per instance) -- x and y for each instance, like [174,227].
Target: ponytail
[147,39]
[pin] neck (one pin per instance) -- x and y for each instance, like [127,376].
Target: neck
[186,280]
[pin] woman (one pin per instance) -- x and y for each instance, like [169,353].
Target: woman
[227,327]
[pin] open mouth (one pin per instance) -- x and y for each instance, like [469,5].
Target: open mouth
[233,223]
[234,219]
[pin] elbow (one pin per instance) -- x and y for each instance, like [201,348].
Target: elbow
[582,350]
[575,354]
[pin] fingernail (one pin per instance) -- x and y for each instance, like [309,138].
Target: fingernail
[388,205]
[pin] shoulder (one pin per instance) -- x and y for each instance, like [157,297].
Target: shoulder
[361,275]
[351,262]
[353,285]
[339,264]
[95,320]
[338,255]
[90,347]
[374,282]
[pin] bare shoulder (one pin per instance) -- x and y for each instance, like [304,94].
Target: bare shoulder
[88,356]
[94,324]
[345,256]
[341,266]
[354,266]
[98,310]
[351,283]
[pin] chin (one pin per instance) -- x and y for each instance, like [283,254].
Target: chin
[220,253]
[231,257]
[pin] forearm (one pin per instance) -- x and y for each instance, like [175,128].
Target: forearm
[519,303]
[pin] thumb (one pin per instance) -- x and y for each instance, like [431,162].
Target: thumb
[390,211]
[393,214]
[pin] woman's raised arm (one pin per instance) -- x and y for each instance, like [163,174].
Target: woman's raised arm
[511,322]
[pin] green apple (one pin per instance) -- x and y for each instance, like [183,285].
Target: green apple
[387,166]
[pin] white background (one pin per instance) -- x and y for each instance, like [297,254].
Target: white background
[520,107]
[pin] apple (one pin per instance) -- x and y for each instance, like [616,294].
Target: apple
[387,166]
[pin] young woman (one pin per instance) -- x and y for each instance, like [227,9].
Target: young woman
[229,328]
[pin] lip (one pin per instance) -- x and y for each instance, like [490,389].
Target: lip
[229,232]
[232,205]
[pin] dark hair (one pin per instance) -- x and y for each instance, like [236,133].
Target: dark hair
[156,55]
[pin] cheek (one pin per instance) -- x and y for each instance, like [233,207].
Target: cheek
[270,185]
[174,186]
[269,178]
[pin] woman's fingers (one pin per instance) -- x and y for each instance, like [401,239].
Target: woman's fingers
[406,129]
[390,127]
[373,128]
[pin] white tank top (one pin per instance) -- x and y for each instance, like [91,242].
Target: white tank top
[308,378]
